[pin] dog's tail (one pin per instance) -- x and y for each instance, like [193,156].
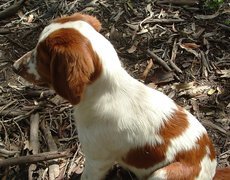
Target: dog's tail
[222,174]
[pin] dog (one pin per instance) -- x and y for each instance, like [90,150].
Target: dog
[119,119]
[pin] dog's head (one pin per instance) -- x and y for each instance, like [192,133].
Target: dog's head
[63,58]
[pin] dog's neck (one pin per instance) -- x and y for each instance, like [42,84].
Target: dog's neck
[113,77]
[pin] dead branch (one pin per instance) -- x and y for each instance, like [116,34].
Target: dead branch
[39,93]
[29,159]
[4,31]
[206,17]
[9,113]
[6,153]
[34,141]
[205,64]
[224,26]
[173,57]
[17,43]
[34,127]
[214,126]
[50,141]
[10,11]
[165,21]
[159,60]
[54,167]
[179,2]
[17,115]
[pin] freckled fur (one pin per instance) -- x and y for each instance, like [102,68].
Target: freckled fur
[73,63]
[118,118]
[222,174]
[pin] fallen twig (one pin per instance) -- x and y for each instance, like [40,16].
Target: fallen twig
[34,141]
[214,126]
[224,26]
[17,115]
[205,64]
[33,158]
[180,2]
[206,17]
[16,43]
[6,153]
[159,60]
[11,10]
[54,167]
[9,113]
[173,57]
[4,31]
[147,69]
[165,21]
[38,93]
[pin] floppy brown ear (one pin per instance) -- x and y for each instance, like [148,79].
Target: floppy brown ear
[74,64]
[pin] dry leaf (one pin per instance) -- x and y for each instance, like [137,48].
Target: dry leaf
[30,18]
[132,49]
[184,86]
[189,49]
[161,76]
[224,73]
[194,91]
[190,45]
[211,91]
[26,145]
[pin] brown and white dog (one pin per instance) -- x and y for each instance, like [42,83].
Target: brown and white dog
[119,119]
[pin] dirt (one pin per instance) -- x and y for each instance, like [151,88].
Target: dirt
[193,41]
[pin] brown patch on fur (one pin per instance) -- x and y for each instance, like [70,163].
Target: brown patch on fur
[148,156]
[66,59]
[179,171]
[93,21]
[222,174]
[175,126]
[43,62]
[187,163]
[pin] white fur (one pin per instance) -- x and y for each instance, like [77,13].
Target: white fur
[32,69]
[207,167]
[17,64]
[158,175]
[118,113]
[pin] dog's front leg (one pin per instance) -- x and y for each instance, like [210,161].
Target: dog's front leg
[96,169]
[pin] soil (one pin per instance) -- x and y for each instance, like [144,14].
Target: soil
[181,49]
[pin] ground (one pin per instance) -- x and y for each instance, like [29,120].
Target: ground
[181,49]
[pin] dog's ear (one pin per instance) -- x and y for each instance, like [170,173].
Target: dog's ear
[74,64]
[93,21]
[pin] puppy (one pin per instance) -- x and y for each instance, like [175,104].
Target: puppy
[119,119]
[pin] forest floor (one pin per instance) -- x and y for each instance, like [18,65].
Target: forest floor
[181,49]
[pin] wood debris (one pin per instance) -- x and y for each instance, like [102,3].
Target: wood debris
[189,47]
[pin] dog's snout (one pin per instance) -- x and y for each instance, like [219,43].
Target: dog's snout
[21,62]
[16,67]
